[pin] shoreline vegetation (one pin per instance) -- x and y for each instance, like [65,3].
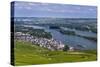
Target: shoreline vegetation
[34,32]
[68,32]
[90,38]
[27,53]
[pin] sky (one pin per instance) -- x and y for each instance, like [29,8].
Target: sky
[36,9]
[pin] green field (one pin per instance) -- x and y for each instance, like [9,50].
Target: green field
[28,54]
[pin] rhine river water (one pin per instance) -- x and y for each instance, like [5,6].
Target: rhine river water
[72,40]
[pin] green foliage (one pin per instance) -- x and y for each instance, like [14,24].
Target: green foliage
[66,48]
[40,33]
[90,38]
[33,32]
[68,32]
[28,54]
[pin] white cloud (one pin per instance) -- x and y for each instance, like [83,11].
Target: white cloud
[91,9]
[43,4]
[32,4]
[78,8]
[28,8]
[20,7]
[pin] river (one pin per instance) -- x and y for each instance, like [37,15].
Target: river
[72,40]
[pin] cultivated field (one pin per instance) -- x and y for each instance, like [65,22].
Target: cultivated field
[28,54]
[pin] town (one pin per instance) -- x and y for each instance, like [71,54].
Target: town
[50,44]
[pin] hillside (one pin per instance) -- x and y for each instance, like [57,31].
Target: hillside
[28,54]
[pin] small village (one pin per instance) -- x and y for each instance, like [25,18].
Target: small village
[50,44]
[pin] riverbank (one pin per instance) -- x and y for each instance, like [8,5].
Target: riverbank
[50,44]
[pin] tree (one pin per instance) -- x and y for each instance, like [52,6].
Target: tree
[66,48]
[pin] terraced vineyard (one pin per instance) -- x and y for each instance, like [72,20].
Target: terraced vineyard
[28,54]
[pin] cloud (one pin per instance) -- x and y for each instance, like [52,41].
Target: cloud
[91,9]
[31,4]
[44,4]
[20,7]
[55,10]
[78,8]
[28,8]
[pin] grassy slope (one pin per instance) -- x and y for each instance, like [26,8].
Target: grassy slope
[28,54]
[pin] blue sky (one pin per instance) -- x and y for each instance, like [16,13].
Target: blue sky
[35,9]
